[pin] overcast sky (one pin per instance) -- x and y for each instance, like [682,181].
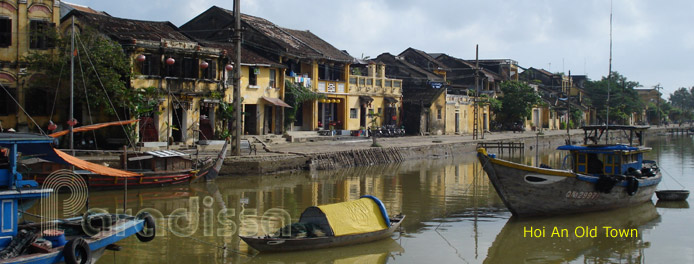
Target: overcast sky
[652,40]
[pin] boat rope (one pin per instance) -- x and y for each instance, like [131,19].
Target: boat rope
[86,97]
[40,216]
[20,107]
[672,177]
[219,246]
[57,87]
[115,112]
[449,243]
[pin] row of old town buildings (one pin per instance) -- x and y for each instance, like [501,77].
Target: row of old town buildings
[191,66]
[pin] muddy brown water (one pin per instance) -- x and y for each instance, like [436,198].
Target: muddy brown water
[453,216]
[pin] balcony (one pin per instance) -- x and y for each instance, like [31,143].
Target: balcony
[334,87]
[366,84]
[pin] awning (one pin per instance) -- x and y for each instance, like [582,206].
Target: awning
[365,99]
[93,167]
[92,127]
[275,101]
[390,100]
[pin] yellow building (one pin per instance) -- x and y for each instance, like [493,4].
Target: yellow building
[25,26]
[312,63]
[191,79]
[460,118]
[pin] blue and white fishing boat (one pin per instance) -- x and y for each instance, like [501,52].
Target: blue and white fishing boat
[598,176]
[73,240]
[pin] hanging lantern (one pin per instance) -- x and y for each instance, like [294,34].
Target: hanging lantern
[229,67]
[204,65]
[72,122]
[141,58]
[52,126]
[321,100]
[170,61]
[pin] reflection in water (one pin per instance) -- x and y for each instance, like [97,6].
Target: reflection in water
[375,252]
[672,204]
[552,245]
[453,215]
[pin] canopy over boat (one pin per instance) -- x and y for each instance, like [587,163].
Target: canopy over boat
[598,148]
[593,133]
[354,217]
[41,147]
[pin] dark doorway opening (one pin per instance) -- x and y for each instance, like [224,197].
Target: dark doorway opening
[250,123]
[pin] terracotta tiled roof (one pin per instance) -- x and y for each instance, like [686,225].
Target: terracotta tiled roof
[123,30]
[424,58]
[247,56]
[294,42]
[320,45]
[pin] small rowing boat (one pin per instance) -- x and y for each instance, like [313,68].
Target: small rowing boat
[599,177]
[332,225]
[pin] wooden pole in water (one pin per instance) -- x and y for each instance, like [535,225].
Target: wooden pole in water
[236,38]
[125,167]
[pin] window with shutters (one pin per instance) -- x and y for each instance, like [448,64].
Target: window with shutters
[211,71]
[7,105]
[5,32]
[151,64]
[41,35]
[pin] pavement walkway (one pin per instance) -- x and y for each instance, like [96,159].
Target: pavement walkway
[350,143]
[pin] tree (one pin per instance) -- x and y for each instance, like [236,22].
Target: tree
[516,103]
[295,95]
[683,98]
[623,98]
[102,71]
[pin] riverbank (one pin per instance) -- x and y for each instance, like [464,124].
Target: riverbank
[354,151]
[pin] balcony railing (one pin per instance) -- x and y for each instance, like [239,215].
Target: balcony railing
[332,87]
[368,84]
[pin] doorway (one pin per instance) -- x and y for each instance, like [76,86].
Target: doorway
[457,122]
[177,128]
[267,120]
[250,124]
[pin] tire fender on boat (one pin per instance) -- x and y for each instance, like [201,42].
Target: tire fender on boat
[93,224]
[77,251]
[632,185]
[149,228]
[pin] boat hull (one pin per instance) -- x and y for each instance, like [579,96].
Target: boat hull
[530,191]
[97,243]
[274,244]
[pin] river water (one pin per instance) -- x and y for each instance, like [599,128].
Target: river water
[453,215]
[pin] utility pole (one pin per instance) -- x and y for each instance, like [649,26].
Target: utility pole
[568,112]
[475,124]
[657,88]
[236,39]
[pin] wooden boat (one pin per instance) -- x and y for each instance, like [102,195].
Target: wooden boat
[341,224]
[600,177]
[74,240]
[148,169]
[672,195]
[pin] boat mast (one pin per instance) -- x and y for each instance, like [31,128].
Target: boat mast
[72,85]
[609,80]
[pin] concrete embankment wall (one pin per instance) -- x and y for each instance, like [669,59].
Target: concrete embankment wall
[370,156]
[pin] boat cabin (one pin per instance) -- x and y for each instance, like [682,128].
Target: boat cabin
[609,159]
[13,188]
[159,161]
